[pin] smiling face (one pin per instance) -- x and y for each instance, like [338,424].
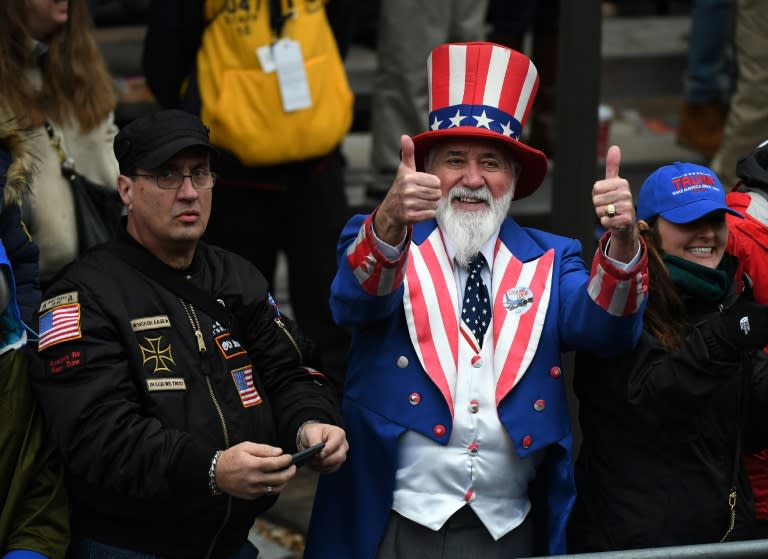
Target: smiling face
[169,223]
[701,241]
[45,16]
[481,169]
[477,179]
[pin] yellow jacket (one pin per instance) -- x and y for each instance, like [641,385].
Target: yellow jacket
[241,103]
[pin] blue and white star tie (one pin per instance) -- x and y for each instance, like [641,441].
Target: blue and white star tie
[476,307]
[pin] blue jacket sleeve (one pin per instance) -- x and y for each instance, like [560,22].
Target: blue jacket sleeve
[22,251]
[24,554]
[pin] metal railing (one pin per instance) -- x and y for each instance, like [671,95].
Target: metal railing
[730,550]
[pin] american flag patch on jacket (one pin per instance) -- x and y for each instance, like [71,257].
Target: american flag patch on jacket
[60,324]
[244,382]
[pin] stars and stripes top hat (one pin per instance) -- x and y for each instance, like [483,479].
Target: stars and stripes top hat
[484,91]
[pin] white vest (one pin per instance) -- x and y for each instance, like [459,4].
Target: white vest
[479,466]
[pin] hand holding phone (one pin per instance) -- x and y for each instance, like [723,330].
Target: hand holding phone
[302,456]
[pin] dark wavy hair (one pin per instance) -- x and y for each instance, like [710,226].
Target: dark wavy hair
[76,85]
[665,315]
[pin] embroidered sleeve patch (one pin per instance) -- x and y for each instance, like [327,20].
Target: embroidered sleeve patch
[243,378]
[166,384]
[65,362]
[229,346]
[150,323]
[58,325]
[62,299]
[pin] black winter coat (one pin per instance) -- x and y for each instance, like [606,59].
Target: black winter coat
[660,434]
[139,407]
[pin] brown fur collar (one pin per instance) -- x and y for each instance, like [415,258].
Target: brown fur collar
[22,167]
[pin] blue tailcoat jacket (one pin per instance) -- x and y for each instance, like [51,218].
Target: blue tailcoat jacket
[403,362]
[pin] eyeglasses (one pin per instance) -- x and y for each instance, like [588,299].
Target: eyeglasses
[202,179]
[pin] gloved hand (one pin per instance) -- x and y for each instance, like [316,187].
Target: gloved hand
[744,325]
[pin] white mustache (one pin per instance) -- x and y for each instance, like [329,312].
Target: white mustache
[481,194]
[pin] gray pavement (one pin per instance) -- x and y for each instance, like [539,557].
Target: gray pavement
[268,549]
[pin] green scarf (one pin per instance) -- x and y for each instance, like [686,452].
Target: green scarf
[709,284]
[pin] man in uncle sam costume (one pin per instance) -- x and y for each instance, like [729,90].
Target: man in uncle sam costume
[455,406]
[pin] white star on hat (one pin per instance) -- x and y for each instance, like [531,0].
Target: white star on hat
[483,121]
[456,120]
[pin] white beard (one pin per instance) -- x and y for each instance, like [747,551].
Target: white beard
[469,231]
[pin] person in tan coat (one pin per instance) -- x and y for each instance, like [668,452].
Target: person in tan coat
[51,71]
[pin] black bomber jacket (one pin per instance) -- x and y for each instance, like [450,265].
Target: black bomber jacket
[139,401]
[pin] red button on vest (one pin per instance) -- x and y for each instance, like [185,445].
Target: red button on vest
[539,405]
[439,430]
[414,398]
[555,372]
[527,441]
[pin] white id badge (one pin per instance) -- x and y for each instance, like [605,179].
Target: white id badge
[291,75]
[265,59]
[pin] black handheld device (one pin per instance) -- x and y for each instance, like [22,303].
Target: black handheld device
[302,456]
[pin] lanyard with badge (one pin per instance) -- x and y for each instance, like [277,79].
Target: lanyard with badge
[284,57]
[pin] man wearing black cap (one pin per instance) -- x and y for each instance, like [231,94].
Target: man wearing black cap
[174,387]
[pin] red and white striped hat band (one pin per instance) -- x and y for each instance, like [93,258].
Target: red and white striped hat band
[482,85]
[482,91]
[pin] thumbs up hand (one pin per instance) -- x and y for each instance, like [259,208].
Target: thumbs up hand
[615,209]
[413,197]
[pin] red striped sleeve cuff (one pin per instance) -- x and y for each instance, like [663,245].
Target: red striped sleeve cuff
[377,274]
[619,292]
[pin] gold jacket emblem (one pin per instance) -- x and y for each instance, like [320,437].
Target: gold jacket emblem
[161,357]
